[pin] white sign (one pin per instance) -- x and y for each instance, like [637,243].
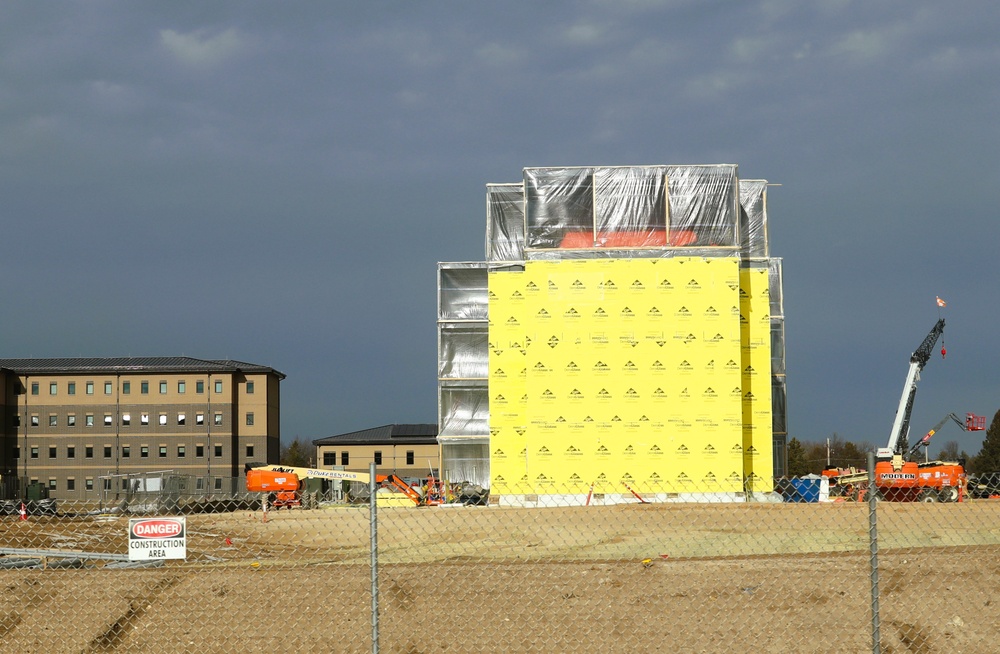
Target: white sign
[157,538]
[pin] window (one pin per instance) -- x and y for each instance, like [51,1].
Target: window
[144,387]
[108,387]
[409,457]
[181,418]
[163,419]
[218,483]
[249,388]
[71,388]
[53,388]
[218,386]
[329,458]
[70,484]
[90,419]
[34,451]
[89,483]
[17,452]
[34,388]
[52,451]
[181,386]
[107,419]
[107,451]
[199,418]
[34,421]
[181,451]
[71,421]
[88,452]
[106,483]
[218,451]
[378,458]
[144,452]
[90,388]
[250,418]
[126,387]
[249,451]
[144,418]
[53,421]
[345,458]
[126,419]
[16,421]
[71,451]
[218,418]
[126,451]
[52,484]
[199,386]
[163,451]
[163,388]
[199,451]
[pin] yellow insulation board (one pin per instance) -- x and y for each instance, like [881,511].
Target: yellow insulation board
[758,462]
[650,375]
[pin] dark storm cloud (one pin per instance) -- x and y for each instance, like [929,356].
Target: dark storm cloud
[275,182]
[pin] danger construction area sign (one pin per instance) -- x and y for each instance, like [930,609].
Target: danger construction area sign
[157,538]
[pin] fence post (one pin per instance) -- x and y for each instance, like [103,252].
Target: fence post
[373,531]
[873,501]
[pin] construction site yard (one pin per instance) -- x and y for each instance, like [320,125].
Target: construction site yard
[630,577]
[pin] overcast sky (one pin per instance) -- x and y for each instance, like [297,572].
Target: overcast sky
[276,182]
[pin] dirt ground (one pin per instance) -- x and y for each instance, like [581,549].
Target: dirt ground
[646,578]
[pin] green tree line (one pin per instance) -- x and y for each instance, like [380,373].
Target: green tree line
[812,458]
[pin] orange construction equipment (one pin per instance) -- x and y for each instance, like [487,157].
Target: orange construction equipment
[285,482]
[897,479]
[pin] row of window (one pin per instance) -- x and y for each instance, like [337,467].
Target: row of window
[126,419]
[89,483]
[199,387]
[330,458]
[126,451]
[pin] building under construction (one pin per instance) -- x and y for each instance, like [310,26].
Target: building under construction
[623,338]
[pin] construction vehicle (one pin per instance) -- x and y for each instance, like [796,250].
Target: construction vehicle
[896,478]
[936,480]
[972,423]
[283,484]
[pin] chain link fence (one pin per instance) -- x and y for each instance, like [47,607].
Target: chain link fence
[778,571]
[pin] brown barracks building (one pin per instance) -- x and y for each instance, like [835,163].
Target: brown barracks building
[77,427]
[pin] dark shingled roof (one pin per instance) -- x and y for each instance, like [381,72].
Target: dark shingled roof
[130,364]
[419,434]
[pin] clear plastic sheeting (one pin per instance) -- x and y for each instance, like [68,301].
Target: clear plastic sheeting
[637,253]
[753,217]
[465,410]
[463,351]
[703,205]
[559,207]
[504,222]
[625,208]
[776,288]
[778,405]
[462,291]
[630,207]
[466,461]
[777,346]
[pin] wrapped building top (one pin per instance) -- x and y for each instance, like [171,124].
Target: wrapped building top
[632,211]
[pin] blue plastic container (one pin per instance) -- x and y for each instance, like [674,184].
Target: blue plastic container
[806,489]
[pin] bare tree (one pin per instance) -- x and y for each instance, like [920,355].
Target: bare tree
[949,452]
